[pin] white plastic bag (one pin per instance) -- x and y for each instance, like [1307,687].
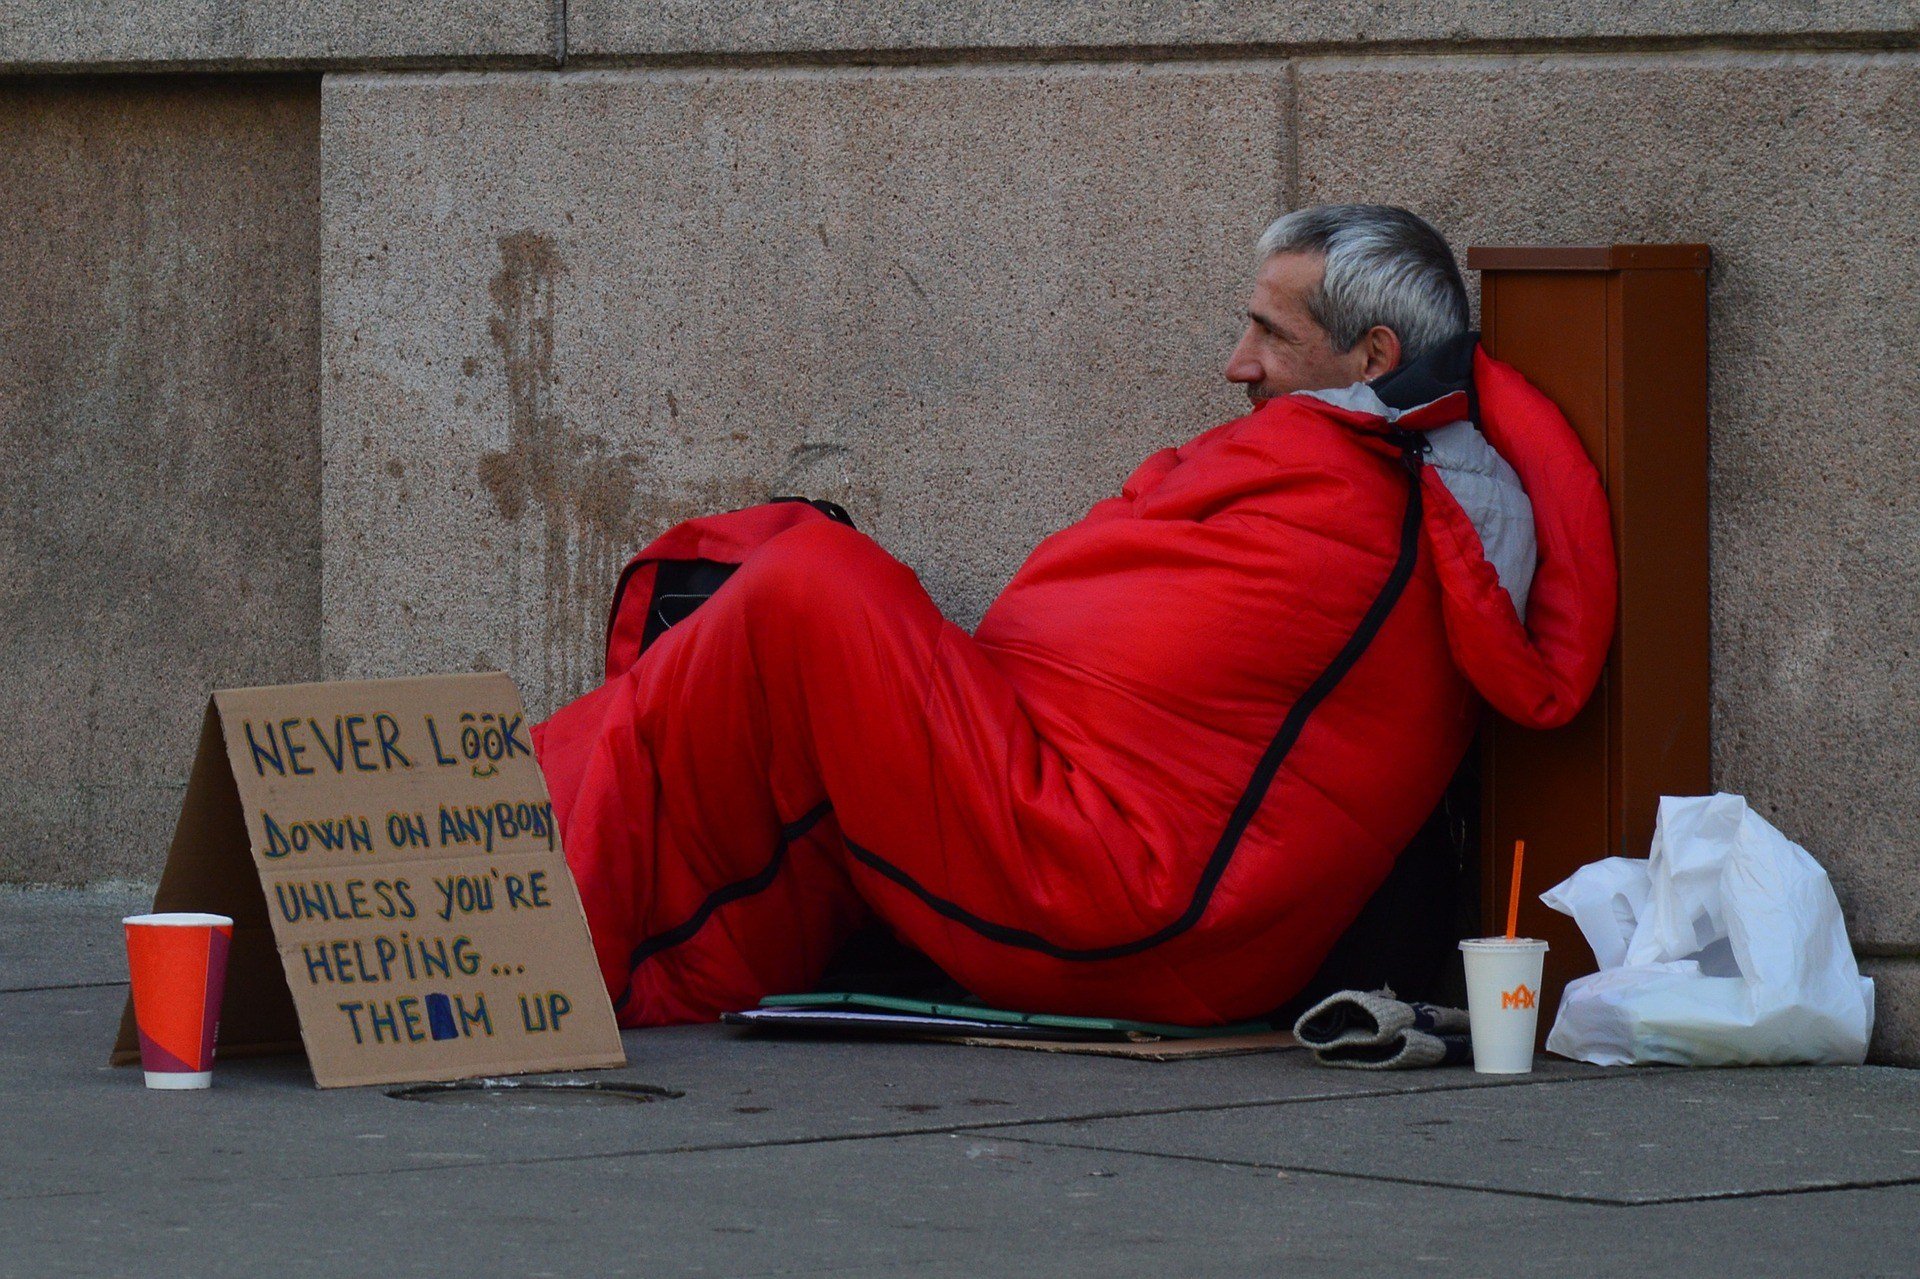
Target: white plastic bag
[1725,947]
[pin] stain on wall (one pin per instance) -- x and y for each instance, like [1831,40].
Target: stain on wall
[559,485]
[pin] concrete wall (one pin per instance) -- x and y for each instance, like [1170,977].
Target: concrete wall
[959,266]
[251,35]
[565,311]
[159,359]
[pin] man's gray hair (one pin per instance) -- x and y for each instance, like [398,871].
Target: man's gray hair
[1384,266]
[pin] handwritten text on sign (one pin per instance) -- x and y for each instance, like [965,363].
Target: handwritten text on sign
[413,875]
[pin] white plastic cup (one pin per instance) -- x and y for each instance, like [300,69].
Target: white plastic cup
[1503,1001]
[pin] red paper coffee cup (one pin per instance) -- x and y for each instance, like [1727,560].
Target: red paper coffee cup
[179,968]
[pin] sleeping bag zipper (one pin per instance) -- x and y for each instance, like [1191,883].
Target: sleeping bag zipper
[1413,449]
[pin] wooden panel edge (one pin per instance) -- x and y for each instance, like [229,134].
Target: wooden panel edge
[1591,257]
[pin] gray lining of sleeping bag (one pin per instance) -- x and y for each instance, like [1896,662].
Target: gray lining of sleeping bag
[1488,489]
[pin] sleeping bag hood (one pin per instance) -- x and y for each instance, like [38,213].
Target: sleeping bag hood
[1514,508]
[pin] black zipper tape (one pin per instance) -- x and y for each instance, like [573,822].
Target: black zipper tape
[758,882]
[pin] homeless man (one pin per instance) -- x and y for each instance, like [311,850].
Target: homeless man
[1186,742]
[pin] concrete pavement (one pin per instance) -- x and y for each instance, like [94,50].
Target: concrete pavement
[804,1157]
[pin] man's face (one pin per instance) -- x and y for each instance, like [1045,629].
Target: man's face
[1284,349]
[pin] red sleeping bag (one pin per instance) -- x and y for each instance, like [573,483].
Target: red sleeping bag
[1179,754]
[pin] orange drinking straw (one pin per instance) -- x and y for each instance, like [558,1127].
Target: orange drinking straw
[1513,895]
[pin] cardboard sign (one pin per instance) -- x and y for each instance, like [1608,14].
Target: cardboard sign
[401,906]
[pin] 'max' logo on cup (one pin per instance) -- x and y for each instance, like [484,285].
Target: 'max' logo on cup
[388,852]
[1519,997]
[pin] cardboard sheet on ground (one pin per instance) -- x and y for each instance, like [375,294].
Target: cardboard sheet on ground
[401,905]
[847,1013]
[1150,1050]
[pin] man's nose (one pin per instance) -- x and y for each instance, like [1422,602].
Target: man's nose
[1243,366]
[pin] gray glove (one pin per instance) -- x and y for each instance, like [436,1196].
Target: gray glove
[1371,1030]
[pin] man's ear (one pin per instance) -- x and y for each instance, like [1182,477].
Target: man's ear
[1381,347]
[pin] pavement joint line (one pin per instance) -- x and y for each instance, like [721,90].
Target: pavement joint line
[71,985]
[1607,1201]
[36,1196]
[931,1130]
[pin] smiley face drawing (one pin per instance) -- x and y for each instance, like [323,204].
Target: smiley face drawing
[483,742]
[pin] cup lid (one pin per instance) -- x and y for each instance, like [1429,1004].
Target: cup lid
[180,919]
[1502,943]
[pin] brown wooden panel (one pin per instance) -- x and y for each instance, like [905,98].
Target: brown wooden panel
[1616,336]
[1551,789]
[1658,389]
